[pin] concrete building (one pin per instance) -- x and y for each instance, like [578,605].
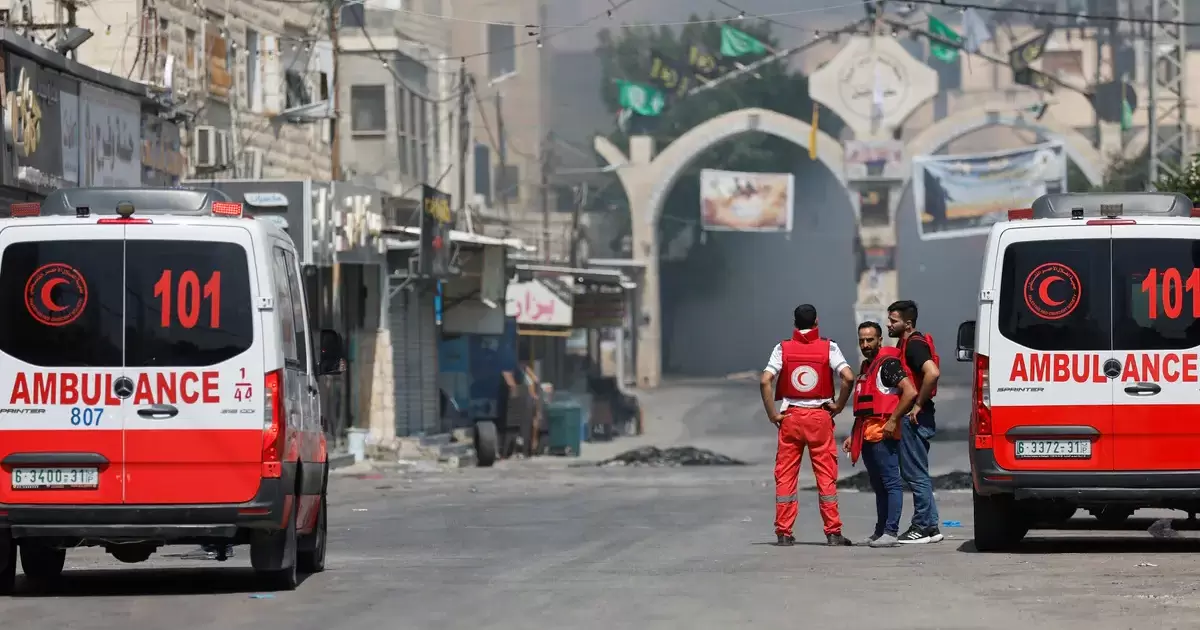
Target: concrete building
[254,75]
[512,156]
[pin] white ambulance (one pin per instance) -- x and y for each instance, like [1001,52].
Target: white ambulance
[1087,373]
[158,384]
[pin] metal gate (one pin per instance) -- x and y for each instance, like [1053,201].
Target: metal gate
[414,361]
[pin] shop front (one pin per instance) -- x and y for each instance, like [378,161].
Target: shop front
[67,124]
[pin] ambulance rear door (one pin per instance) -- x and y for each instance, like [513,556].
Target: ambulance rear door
[1156,336]
[1051,401]
[194,428]
[61,324]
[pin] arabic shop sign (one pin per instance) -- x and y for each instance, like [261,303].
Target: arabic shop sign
[542,301]
[32,123]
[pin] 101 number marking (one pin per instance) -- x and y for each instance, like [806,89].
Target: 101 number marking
[1173,287]
[86,416]
[188,300]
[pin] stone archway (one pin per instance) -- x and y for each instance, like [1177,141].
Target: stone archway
[1087,157]
[648,179]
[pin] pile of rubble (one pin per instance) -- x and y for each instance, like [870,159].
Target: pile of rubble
[950,481]
[675,456]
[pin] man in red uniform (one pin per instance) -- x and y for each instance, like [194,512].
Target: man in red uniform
[805,366]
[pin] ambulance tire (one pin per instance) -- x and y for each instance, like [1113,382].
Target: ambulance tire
[42,564]
[274,555]
[8,563]
[999,522]
[487,443]
[312,554]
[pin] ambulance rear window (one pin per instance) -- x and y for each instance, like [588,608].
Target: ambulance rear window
[188,303]
[1156,294]
[60,303]
[1054,295]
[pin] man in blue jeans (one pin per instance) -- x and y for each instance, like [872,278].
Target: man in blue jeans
[921,364]
[883,394]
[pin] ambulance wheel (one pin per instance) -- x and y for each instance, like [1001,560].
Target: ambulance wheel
[999,522]
[41,563]
[486,443]
[8,563]
[312,558]
[274,554]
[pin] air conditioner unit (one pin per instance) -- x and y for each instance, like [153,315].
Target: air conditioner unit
[204,147]
[223,149]
[252,164]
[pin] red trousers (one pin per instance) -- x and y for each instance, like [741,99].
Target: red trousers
[813,428]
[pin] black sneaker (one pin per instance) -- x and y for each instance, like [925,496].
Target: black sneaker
[784,540]
[837,540]
[915,536]
[935,534]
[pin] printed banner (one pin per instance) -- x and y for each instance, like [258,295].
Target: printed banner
[963,195]
[746,202]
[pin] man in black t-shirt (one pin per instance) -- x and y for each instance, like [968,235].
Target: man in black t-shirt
[919,427]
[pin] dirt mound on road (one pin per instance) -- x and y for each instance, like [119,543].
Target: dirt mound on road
[675,456]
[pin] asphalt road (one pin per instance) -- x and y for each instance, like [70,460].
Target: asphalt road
[535,544]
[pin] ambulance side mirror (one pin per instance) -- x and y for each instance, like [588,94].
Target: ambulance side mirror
[333,355]
[966,341]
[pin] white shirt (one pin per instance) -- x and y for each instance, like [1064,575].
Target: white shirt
[837,361]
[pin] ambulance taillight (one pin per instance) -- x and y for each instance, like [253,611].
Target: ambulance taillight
[274,427]
[981,404]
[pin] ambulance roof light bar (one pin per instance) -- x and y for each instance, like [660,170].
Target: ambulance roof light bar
[230,209]
[25,210]
[1111,205]
[1018,214]
[197,202]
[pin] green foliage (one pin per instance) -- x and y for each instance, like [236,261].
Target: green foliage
[1186,181]
[626,55]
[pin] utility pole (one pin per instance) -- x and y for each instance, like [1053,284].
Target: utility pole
[502,185]
[464,127]
[545,198]
[235,132]
[335,147]
[581,199]
[1170,145]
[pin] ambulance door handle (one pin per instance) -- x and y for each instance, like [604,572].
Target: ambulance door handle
[1143,389]
[158,411]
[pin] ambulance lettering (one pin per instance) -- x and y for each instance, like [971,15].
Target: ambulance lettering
[68,388]
[1061,367]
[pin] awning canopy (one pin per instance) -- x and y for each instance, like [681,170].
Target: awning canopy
[610,277]
[395,239]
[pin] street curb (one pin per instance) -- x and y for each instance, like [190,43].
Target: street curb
[341,460]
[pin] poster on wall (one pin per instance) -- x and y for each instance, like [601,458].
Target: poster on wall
[963,195]
[112,142]
[68,110]
[746,202]
[436,222]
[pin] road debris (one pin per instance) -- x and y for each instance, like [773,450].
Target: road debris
[675,456]
[957,480]
[951,523]
[1162,529]
[1147,564]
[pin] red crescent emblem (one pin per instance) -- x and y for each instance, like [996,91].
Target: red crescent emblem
[1057,278]
[41,289]
[1044,290]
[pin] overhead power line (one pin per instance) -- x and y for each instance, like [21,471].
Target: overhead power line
[953,4]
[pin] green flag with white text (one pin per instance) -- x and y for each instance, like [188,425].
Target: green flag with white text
[939,50]
[640,99]
[735,43]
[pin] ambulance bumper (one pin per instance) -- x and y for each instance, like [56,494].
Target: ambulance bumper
[1105,486]
[162,523]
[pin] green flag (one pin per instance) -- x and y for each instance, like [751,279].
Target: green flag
[735,43]
[943,52]
[1126,115]
[640,99]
